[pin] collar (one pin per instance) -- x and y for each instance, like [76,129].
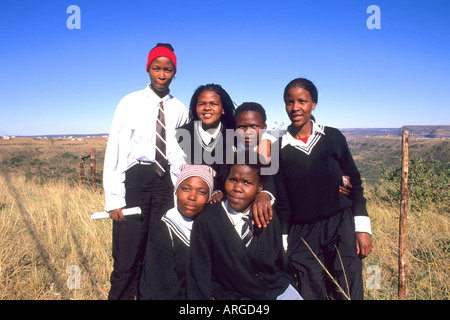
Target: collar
[208,135]
[289,139]
[234,215]
[182,223]
[153,95]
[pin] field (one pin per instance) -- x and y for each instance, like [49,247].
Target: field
[50,249]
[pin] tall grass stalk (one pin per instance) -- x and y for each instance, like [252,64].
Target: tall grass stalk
[44,229]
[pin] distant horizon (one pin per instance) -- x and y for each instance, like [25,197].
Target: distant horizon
[107,133]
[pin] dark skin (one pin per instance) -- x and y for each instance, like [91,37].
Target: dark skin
[299,106]
[249,123]
[161,71]
[242,186]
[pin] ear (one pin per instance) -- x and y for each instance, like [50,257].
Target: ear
[313,106]
[260,187]
[265,126]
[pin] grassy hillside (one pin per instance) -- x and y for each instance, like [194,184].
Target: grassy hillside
[370,152]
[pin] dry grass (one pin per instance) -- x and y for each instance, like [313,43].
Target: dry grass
[428,248]
[45,228]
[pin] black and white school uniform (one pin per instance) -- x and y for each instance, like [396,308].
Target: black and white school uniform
[225,266]
[166,258]
[208,147]
[312,209]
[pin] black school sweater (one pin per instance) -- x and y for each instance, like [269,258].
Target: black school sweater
[309,177]
[166,258]
[213,155]
[221,267]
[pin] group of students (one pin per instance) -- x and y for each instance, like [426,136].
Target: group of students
[212,225]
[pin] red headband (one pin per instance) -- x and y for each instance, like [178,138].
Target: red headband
[161,52]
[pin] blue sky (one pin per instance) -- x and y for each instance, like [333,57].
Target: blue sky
[56,80]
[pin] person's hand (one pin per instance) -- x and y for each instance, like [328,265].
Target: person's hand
[363,244]
[217,197]
[262,210]
[117,215]
[346,187]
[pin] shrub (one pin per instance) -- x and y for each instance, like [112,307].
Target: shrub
[428,182]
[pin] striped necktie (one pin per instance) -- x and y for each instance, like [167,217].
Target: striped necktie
[160,155]
[246,232]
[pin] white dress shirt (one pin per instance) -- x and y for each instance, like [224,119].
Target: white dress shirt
[132,139]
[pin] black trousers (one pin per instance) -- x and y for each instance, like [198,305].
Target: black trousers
[154,195]
[333,242]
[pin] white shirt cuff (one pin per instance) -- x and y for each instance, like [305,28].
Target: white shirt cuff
[362,224]
[272,198]
[285,242]
[114,202]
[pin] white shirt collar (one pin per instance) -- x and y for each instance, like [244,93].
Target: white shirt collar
[235,216]
[208,135]
[289,139]
[153,95]
[184,224]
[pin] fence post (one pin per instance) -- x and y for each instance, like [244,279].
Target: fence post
[403,217]
[93,175]
[82,176]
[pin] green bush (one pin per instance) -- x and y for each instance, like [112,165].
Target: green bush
[428,182]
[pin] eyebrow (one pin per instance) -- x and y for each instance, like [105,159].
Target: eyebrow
[190,185]
[204,101]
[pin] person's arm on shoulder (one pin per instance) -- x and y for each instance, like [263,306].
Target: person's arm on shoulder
[262,206]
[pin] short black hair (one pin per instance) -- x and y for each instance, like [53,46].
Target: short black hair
[165,45]
[305,84]
[252,106]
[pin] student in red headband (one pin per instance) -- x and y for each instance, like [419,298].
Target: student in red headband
[161,66]
[132,176]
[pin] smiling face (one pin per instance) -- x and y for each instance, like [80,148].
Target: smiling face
[242,186]
[248,124]
[209,109]
[299,106]
[192,196]
[161,71]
